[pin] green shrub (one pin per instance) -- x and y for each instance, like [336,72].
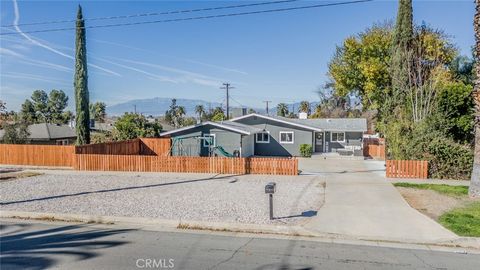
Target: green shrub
[448,159]
[306,150]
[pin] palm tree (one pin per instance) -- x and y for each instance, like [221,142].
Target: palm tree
[200,111]
[474,190]
[282,109]
[304,107]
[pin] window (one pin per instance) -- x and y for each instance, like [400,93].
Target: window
[286,136]
[337,137]
[62,142]
[263,137]
[209,140]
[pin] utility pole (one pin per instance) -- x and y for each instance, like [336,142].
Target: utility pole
[135,108]
[227,87]
[266,104]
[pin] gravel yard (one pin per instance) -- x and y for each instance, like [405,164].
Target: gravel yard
[202,197]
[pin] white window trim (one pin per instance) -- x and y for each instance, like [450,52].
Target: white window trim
[62,142]
[331,133]
[268,138]
[214,140]
[280,137]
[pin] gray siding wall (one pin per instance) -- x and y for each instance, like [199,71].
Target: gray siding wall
[351,139]
[248,145]
[230,141]
[275,148]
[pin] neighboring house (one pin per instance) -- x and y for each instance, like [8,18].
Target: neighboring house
[237,112]
[101,127]
[262,135]
[49,134]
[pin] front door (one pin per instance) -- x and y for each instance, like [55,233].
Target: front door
[318,141]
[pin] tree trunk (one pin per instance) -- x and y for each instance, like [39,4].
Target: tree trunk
[474,190]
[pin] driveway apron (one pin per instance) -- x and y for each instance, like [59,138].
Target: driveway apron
[360,202]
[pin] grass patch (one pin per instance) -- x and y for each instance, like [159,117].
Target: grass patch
[455,191]
[463,221]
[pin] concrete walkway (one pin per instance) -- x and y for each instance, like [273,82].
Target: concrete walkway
[360,202]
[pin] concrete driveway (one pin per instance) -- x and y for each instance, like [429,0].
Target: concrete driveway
[360,202]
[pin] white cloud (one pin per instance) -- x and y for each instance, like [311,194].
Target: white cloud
[5,51]
[188,76]
[18,75]
[8,52]
[182,59]
[149,74]
[45,46]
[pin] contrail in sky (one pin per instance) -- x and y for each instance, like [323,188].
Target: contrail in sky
[15,25]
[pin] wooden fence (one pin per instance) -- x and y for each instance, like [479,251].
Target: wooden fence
[374,147]
[222,165]
[143,146]
[139,155]
[155,146]
[130,147]
[37,155]
[278,166]
[407,169]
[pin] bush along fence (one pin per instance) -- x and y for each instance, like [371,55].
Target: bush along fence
[407,169]
[139,155]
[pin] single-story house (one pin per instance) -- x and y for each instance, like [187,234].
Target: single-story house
[45,133]
[262,135]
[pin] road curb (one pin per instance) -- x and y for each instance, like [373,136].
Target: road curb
[163,223]
[462,245]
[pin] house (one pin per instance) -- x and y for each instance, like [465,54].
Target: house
[45,133]
[262,135]
[213,138]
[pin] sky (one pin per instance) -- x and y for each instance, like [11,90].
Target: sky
[280,57]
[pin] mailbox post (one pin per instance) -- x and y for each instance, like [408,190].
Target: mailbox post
[270,188]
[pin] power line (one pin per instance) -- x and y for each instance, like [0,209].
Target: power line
[157,13]
[236,101]
[194,18]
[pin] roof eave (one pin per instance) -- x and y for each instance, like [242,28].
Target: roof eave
[276,120]
[204,124]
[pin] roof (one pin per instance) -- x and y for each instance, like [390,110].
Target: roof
[277,119]
[317,124]
[102,126]
[50,131]
[336,124]
[231,126]
[45,131]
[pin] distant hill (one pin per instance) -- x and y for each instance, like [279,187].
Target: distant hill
[294,107]
[158,106]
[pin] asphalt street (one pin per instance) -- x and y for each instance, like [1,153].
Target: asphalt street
[40,245]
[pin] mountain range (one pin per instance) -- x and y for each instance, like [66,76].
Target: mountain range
[158,106]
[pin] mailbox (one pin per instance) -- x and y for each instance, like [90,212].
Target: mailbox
[270,188]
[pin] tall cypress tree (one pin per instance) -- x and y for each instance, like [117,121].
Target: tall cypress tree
[401,52]
[81,83]
[394,110]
